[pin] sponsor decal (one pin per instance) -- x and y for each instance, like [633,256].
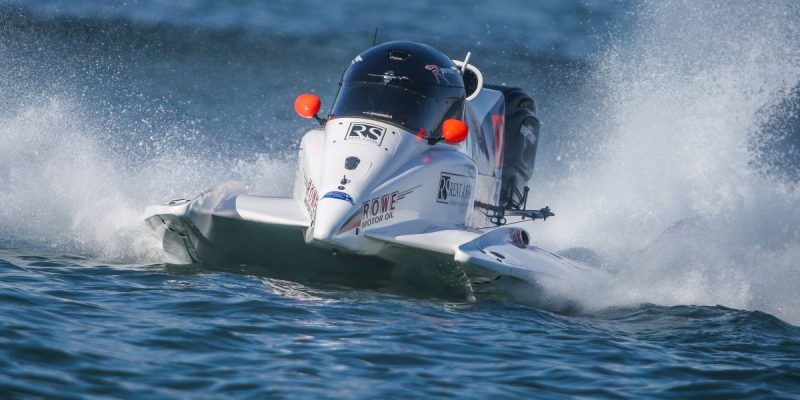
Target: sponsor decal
[364,132]
[311,197]
[439,72]
[381,209]
[357,59]
[339,196]
[377,210]
[454,189]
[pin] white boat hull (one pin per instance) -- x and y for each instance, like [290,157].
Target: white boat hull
[374,195]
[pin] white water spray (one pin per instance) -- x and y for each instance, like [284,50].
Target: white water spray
[63,188]
[670,197]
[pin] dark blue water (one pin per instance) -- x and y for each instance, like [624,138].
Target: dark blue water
[71,327]
[669,153]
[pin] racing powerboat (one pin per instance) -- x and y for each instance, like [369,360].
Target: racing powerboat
[418,162]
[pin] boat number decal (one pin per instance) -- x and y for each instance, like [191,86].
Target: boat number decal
[339,196]
[367,133]
[311,197]
[453,189]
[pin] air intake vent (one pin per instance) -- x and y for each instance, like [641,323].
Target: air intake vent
[351,162]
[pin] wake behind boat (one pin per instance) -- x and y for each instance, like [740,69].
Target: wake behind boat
[418,162]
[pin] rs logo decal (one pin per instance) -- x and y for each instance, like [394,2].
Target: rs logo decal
[454,189]
[444,184]
[363,132]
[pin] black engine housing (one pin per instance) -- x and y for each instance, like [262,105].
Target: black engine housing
[521,139]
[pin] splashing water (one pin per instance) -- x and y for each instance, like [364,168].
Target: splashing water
[669,195]
[65,187]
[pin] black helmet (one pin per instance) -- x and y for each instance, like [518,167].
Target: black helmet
[404,83]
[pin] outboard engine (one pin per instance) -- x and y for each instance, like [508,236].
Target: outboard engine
[520,141]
